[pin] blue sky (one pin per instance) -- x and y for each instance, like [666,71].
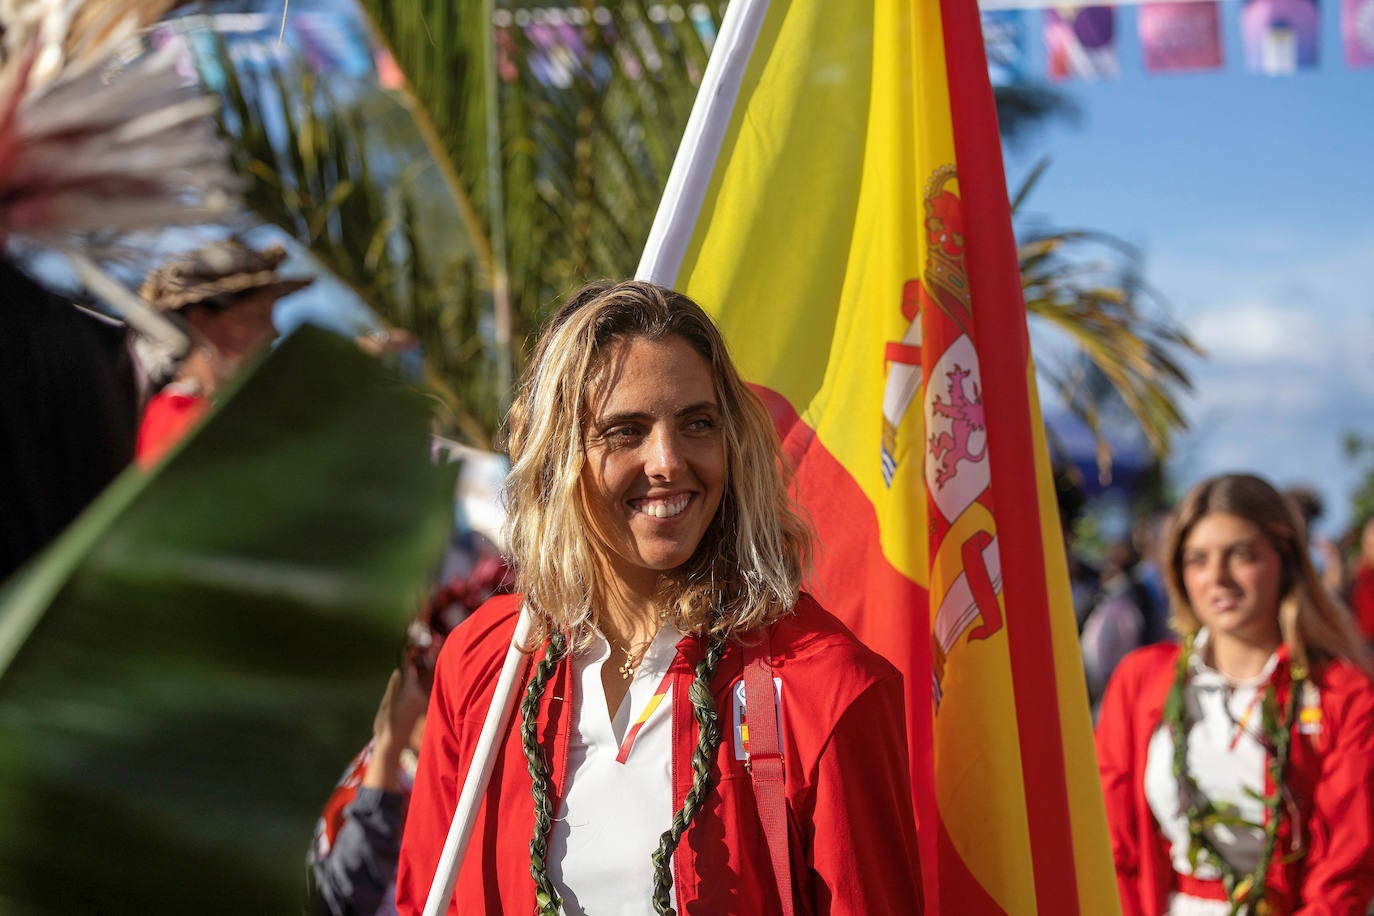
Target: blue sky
[1252,199]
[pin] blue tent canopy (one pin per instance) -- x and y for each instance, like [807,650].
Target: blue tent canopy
[1071,443]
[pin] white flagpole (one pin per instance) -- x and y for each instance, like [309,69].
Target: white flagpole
[479,774]
[695,162]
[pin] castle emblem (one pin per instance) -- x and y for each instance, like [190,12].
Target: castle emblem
[944,286]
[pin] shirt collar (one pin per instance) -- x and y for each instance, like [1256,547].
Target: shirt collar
[1204,675]
[655,661]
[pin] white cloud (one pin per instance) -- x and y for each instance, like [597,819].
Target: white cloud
[1288,323]
[1260,333]
[1231,391]
[1285,424]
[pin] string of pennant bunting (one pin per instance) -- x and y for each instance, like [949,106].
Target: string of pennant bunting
[1080,42]
[1277,37]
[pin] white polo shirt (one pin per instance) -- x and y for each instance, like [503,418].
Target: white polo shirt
[618,811]
[1226,761]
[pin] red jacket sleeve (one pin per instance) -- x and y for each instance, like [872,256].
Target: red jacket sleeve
[1339,875]
[1362,600]
[1116,752]
[166,421]
[864,855]
[436,789]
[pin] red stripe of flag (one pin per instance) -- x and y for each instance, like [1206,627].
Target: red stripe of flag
[995,286]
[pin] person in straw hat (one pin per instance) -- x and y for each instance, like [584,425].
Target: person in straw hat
[224,294]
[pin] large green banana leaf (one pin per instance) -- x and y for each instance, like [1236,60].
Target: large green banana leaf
[185,672]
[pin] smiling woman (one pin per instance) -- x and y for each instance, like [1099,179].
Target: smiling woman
[1238,767]
[655,460]
[660,559]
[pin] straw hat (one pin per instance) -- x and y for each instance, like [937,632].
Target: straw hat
[224,268]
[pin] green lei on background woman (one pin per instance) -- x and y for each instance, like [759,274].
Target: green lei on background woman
[1244,892]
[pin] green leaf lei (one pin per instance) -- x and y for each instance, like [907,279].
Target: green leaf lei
[1242,891]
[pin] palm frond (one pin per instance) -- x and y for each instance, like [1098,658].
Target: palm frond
[565,175]
[1021,110]
[1114,321]
[319,182]
[560,181]
[1086,286]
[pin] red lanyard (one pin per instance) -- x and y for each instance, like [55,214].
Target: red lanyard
[653,704]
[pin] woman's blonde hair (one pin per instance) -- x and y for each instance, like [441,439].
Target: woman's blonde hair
[1314,625]
[750,564]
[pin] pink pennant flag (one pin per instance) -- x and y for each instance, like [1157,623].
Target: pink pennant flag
[1357,32]
[1180,36]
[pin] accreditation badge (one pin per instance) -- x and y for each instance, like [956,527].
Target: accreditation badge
[739,717]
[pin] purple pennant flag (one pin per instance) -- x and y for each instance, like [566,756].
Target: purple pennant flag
[1279,36]
[1180,36]
[1080,43]
[1357,32]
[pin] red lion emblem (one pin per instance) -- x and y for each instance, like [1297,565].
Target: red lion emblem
[966,418]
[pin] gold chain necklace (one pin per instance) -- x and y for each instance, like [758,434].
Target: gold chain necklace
[632,657]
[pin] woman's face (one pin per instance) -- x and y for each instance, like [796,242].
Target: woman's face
[655,466]
[1231,574]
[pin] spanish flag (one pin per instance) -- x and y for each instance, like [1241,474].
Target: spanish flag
[839,203]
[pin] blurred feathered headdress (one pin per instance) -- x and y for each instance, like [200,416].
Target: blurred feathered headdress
[99,137]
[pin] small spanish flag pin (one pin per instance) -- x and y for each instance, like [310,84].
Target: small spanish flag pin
[1310,718]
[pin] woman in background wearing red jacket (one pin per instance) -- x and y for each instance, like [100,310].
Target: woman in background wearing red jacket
[658,551]
[1237,767]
